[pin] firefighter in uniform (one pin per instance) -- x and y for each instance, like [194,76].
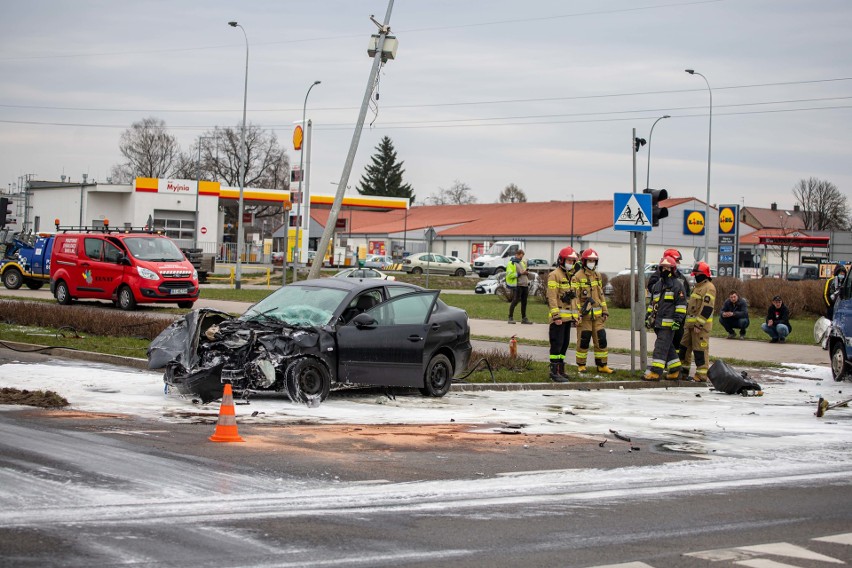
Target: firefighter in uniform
[559,296]
[666,314]
[699,323]
[589,304]
[675,254]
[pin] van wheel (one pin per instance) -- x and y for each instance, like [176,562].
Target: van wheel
[12,278]
[839,364]
[34,284]
[62,294]
[500,269]
[439,376]
[126,301]
[185,305]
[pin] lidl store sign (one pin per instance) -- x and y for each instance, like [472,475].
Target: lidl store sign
[727,221]
[693,222]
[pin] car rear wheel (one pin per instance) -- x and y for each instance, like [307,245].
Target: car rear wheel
[461,272]
[12,278]
[439,376]
[62,294]
[839,364]
[126,301]
[307,380]
[34,284]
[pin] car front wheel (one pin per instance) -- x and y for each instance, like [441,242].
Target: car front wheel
[439,376]
[417,270]
[126,301]
[307,380]
[839,364]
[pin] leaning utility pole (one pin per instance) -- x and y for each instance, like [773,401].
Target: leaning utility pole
[378,58]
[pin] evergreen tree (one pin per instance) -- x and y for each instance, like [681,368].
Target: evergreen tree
[384,176]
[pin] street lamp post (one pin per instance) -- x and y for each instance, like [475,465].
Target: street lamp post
[242,176]
[296,250]
[651,135]
[709,146]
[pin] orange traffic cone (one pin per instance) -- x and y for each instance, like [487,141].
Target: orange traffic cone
[226,427]
[513,347]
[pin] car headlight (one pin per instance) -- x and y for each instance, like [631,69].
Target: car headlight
[194,274]
[147,274]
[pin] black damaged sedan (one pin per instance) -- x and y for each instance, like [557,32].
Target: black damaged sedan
[310,337]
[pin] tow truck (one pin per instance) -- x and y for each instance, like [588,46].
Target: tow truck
[26,260]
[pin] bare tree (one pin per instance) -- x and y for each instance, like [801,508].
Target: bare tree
[824,207]
[512,194]
[149,149]
[457,194]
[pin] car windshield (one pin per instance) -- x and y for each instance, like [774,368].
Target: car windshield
[153,248]
[497,249]
[298,306]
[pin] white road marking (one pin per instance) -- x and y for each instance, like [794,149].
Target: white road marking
[765,563]
[627,565]
[790,551]
[837,539]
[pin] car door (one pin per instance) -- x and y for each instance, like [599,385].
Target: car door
[101,272]
[443,265]
[388,349]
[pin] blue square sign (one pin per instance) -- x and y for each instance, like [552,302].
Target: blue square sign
[631,212]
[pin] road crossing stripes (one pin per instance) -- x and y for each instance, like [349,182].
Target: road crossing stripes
[755,556]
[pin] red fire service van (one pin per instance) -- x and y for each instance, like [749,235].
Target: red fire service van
[126,266]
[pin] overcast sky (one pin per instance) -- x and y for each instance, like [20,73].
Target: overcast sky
[543,94]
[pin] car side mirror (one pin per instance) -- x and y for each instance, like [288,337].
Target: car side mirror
[364,321]
[122,259]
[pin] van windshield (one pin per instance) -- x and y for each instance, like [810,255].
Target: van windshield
[154,249]
[497,249]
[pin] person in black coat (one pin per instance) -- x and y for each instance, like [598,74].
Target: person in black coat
[777,324]
[734,315]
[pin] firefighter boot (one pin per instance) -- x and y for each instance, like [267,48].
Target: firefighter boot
[673,375]
[605,369]
[650,376]
[581,368]
[561,370]
[554,374]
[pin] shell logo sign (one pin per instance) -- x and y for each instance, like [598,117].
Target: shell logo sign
[693,222]
[727,220]
[298,137]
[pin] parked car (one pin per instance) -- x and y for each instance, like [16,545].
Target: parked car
[489,285]
[537,263]
[315,335]
[436,263]
[363,273]
[803,272]
[840,335]
[377,261]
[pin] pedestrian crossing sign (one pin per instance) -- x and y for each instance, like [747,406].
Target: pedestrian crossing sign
[631,212]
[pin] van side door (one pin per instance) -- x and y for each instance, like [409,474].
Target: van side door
[100,274]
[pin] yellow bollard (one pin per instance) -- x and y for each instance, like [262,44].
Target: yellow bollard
[232,278]
[268,274]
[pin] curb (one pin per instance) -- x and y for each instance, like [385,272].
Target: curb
[91,356]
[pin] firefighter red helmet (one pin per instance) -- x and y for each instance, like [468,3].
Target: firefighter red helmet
[674,253]
[568,253]
[589,254]
[668,262]
[702,268]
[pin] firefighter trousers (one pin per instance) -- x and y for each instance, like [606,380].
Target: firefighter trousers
[560,337]
[696,340]
[665,355]
[591,331]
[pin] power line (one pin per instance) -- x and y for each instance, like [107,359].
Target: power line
[437,105]
[455,123]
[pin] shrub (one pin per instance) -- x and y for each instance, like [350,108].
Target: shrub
[800,297]
[106,322]
[620,297]
[499,359]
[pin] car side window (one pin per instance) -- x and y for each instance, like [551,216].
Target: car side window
[361,303]
[94,248]
[443,259]
[404,310]
[510,251]
[396,291]
[111,252]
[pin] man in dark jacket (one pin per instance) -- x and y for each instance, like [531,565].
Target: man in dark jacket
[734,315]
[777,324]
[832,290]
[666,315]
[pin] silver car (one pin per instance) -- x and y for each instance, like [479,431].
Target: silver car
[436,263]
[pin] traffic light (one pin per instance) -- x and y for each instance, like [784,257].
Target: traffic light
[5,210]
[638,143]
[657,212]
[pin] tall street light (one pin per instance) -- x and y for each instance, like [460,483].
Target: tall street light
[242,176]
[650,135]
[297,251]
[709,146]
